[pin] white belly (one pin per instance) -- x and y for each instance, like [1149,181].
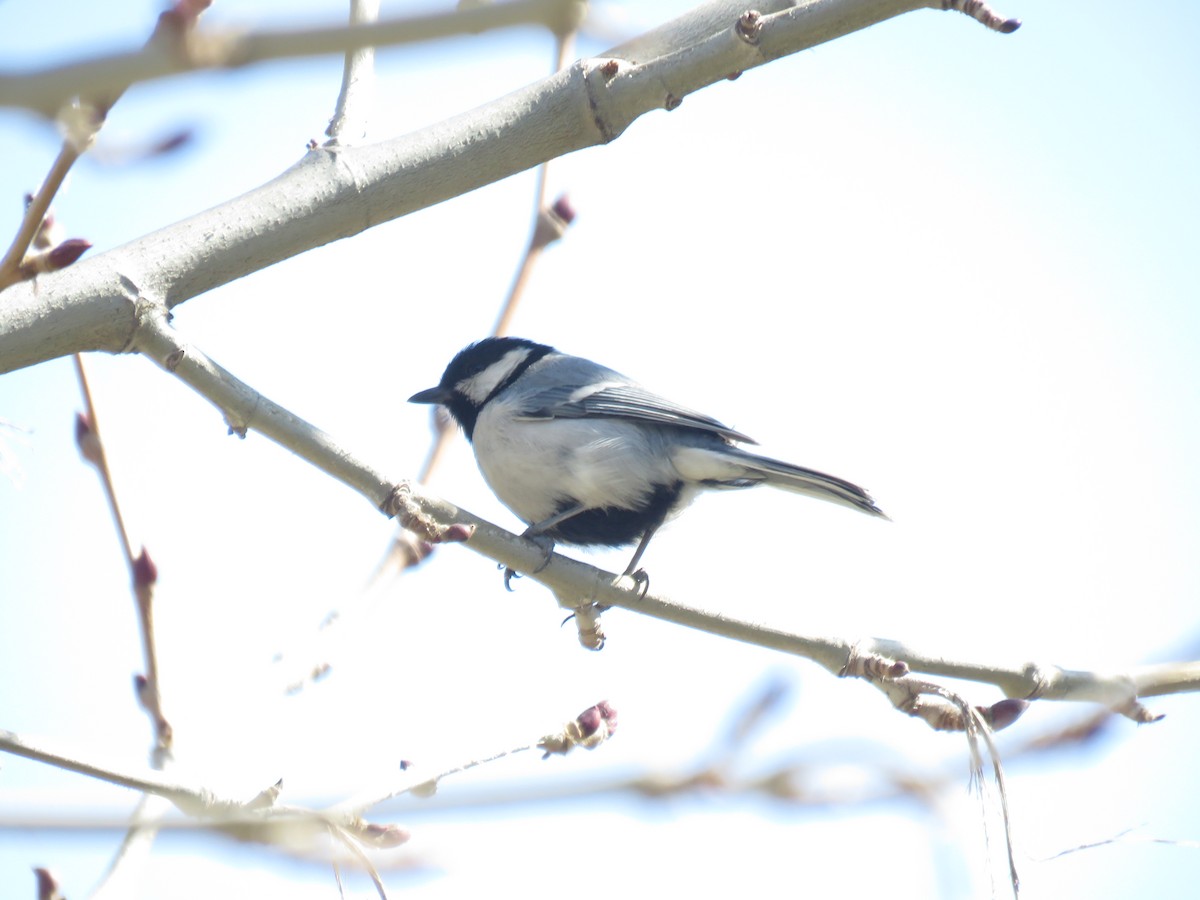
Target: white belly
[537,467]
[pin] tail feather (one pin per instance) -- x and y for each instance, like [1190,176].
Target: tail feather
[733,467]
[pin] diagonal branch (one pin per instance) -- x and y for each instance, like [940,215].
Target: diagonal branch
[585,588]
[335,193]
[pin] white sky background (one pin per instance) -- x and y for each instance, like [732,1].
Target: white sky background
[956,267]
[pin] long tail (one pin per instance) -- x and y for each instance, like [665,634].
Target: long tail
[733,467]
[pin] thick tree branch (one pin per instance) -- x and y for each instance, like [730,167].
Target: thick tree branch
[334,193]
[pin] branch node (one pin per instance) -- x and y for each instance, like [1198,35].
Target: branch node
[1041,680]
[1134,710]
[872,666]
[400,504]
[587,625]
[672,102]
[266,798]
[981,12]
[589,730]
[749,26]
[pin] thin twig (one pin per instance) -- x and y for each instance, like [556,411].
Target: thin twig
[419,785]
[82,121]
[98,457]
[350,116]
[135,848]
[35,213]
[46,90]
[361,856]
[142,570]
[144,576]
[146,781]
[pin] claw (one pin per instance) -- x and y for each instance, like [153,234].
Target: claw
[547,547]
[641,577]
[509,575]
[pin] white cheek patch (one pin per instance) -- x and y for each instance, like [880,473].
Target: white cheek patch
[480,385]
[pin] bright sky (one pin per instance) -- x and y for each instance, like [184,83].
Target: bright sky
[955,267]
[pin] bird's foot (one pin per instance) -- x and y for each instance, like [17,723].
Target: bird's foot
[640,578]
[547,547]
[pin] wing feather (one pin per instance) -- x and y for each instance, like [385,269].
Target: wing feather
[620,400]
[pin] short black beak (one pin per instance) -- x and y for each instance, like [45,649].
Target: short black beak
[431,395]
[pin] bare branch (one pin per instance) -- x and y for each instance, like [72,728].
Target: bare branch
[81,121]
[349,122]
[147,781]
[130,859]
[14,266]
[47,90]
[338,192]
[142,570]
[585,588]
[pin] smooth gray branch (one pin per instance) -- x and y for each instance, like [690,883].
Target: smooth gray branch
[580,586]
[47,90]
[350,117]
[334,193]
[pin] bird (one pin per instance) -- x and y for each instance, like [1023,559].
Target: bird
[586,456]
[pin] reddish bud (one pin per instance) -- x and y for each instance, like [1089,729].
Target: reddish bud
[87,440]
[145,572]
[1004,713]
[141,690]
[171,143]
[589,730]
[552,222]
[47,885]
[592,719]
[456,534]
[563,209]
[67,253]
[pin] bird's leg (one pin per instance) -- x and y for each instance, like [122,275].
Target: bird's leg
[640,576]
[536,533]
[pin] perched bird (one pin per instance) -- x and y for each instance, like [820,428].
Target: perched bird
[587,456]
